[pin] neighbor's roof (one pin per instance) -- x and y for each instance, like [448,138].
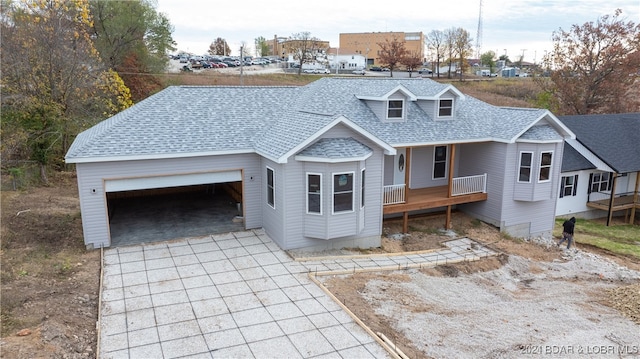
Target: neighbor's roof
[572,160]
[614,138]
[183,121]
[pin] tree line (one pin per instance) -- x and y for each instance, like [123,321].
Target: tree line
[68,64]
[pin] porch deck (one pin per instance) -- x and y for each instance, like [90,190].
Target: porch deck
[619,203]
[432,197]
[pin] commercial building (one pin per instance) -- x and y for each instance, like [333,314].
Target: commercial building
[367,43]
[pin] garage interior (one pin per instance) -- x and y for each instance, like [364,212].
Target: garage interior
[161,214]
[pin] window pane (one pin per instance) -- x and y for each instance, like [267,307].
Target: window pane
[525,159]
[524,174]
[568,191]
[270,197]
[314,183]
[314,203]
[544,173]
[441,153]
[343,182]
[439,170]
[546,159]
[342,202]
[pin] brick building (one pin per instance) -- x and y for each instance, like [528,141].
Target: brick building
[366,43]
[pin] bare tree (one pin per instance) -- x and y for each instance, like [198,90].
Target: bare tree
[305,48]
[436,43]
[392,52]
[219,47]
[412,61]
[450,47]
[594,67]
[463,48]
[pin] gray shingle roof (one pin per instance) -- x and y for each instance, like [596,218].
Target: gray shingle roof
[572,160]
[541,133]
[614,138]
[336,148]
[274,121]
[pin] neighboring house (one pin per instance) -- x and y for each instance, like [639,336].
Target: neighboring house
[601,167]
[320,166]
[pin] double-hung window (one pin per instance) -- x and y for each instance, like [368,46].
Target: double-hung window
[445,108]
[440,162]
[395,109]
[343,192]
[524,173]
[546,159]
[599,182]
[314,193]
[568,186]
[271,187]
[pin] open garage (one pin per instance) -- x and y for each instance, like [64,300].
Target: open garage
[147,209]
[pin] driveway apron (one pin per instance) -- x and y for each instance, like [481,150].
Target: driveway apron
[236,295]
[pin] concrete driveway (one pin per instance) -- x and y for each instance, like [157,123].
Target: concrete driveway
[234,295]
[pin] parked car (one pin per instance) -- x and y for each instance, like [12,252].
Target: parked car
[321,71]
[359,72]
[308,71]
[425,71]
[385,69]
[375,68]
[184,60]
[206,65]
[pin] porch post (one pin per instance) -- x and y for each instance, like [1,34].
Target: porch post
[632,220]
[447,223]
[407,168]
[405,222]
[451,158]
[613,194]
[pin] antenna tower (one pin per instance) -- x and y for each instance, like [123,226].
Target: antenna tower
[479,32]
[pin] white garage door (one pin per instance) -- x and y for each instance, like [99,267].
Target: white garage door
[138,183]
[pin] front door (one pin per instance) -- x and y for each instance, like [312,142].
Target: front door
[400,164]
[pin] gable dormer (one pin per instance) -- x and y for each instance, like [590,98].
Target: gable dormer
[392,106]
[441,106]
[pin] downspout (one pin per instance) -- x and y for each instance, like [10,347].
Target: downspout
[613,194]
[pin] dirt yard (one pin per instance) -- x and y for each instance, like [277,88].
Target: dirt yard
[499,307]
[533,299]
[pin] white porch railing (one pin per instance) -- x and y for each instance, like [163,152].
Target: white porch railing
[469,184]
[394,194]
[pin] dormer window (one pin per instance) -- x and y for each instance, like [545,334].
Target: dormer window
[445,108]
[395,109]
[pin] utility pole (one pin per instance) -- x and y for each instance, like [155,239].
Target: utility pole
[479,33]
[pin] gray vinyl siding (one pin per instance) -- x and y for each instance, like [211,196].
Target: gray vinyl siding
[490,158]
[300,229]
[535,217]
[93,204]
[273,217]
[428,106]
[422,168]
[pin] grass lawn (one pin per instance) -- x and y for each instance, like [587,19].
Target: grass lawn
[619,238]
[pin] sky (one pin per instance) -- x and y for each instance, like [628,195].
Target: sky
[515,28]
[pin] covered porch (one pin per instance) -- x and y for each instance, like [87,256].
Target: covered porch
[398,198]
[612,202]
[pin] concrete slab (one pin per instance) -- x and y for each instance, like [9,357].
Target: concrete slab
[233,295]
